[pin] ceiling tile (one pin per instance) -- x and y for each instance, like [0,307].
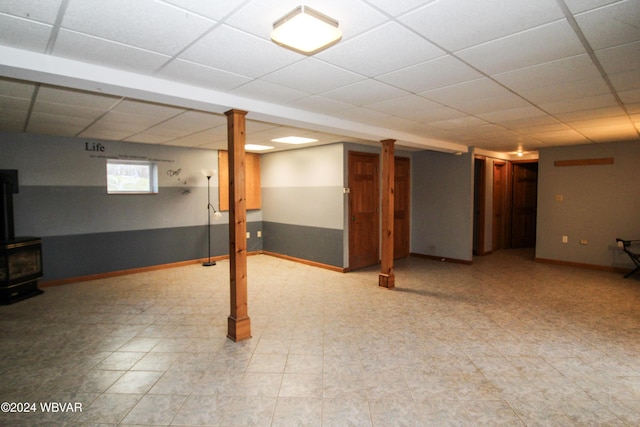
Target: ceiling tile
[566,136]
[398,48]
[410,106]
[537,128]
[577,6]
[104,52]
[14,122]
[458,24]
[36,10]
[596,27]
[65,110]
[312,76]
[149,138]
[463,122]
[321,105]
[14,113]
[630,97]
[576,89]
[201,75]
[105,132]
[593,113]
[60,124]
[535,46]
[524,123]
[443,113]
[398,7]
[145,24]
[443,71]
[619,121]
[194,121]
[258,89]
[579,104]
[229,49]
[365,93]
[552,73]
[463,92]
[124,122]
[364,115]
[477,106]
[147,109]
[9,103]
[512,114]
[78,98]
[621,58]
[24,34]
[201,138]
[626,80]
[211,9]
[621,129]
[16,88]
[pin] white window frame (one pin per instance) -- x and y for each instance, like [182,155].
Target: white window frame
[129,177]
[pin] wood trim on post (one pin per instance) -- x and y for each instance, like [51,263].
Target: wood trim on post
[239,324]
[386,278]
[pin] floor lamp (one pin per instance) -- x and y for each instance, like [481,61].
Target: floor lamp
[209,173]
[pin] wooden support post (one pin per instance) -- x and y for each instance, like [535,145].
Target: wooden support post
[386,278]
[239,324]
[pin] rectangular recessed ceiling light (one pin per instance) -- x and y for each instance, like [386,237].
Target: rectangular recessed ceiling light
[294,140]
[257,147]
[306,31]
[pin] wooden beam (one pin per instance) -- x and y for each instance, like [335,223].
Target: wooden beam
[386,278]
[239,324]
[584,162]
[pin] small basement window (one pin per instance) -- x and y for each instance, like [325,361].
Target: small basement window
[131,177]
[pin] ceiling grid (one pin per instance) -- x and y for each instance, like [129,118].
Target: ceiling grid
[499,75]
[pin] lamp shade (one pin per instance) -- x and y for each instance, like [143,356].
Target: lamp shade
[306,31]
[208,172]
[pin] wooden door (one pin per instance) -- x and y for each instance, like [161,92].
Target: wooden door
[499,206]
[479,193]
[364,213]
[401,210]
[525,201]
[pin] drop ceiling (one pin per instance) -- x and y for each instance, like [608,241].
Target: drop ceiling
[498,75]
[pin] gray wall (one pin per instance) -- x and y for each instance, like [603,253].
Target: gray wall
[85,231]
[303,203]
[442,205]
[599,203]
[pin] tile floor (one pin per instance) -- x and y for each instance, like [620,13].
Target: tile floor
[506,341]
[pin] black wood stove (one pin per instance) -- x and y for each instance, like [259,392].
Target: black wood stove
[20,257]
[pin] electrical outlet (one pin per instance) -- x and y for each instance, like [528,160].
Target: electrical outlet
[583,241]
[248,234]
[565,239]
[259,233]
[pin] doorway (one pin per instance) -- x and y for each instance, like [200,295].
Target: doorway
[500,202]
[479,194]
[524,204]
[364,213]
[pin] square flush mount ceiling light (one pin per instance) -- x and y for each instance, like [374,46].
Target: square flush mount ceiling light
[306,31]
[257,147]
[294,140]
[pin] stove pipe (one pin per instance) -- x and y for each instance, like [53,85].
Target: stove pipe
[8,186]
